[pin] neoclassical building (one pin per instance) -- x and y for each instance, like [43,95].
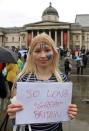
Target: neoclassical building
[68,35]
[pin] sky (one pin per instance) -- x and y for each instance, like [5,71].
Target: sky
[17,13]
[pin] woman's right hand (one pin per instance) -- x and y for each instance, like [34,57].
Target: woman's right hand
[13,108]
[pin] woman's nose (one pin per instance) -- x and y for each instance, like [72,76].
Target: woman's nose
[43,54]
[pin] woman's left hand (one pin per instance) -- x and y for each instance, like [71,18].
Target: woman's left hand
[72,111]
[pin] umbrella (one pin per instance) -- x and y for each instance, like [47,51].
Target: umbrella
[7,56]
[22,52]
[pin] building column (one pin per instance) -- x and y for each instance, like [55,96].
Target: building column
[61,38]
[88,42]
[20,44]
[50,33]
[56,38]
[68,39]
[37,32]
[80,40]
[26,39]
[1,43]
[32,34]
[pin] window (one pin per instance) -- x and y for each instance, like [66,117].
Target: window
[19,38]
[87,37]
[76,37]
[6,39]
[23,38]
[83,37]
[12,39]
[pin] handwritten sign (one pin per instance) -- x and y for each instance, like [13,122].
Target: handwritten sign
[43,102]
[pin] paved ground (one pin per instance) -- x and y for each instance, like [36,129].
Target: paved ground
[76,125]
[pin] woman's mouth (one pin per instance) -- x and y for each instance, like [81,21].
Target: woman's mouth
[43,61]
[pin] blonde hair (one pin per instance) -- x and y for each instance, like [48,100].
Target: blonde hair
[30,67]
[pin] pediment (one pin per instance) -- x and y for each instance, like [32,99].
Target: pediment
[46,23]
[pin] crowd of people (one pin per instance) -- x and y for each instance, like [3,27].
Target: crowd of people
[74,58]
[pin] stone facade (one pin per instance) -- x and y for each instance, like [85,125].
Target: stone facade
[67,35]
[13,37]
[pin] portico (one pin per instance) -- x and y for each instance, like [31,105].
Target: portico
[59,33]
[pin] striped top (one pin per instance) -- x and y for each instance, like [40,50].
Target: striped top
[33,78]
[44,126]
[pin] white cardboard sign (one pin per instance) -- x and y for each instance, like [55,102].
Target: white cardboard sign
[43,102]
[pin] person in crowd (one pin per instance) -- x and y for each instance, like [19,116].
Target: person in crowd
[41,65]
[12,71]
[61,53]
[25,57]
[20,62]
[79,65]
[85,59]
[67,66]
[65,52]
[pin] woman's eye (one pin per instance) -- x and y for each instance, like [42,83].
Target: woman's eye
[37,51]
[47,50]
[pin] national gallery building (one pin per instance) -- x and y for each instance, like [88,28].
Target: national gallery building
[65,34]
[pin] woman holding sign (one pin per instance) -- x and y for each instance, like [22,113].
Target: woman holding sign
[42,65]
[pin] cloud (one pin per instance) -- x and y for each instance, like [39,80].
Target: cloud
[20,12]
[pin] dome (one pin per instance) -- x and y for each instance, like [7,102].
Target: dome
[50,11]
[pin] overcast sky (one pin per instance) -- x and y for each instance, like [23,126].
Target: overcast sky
[19,12]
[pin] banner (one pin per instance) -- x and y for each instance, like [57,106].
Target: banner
[29,38]
[65,38]
[43,102]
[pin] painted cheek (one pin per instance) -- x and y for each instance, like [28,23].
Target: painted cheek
[49,56]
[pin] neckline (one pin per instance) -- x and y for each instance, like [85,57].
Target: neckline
[43,80]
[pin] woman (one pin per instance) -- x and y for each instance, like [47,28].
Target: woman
[41,65]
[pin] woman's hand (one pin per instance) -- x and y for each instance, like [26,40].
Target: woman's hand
[13,108]
[72,111]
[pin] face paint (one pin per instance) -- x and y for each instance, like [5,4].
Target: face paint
[49,56]
[43,46]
